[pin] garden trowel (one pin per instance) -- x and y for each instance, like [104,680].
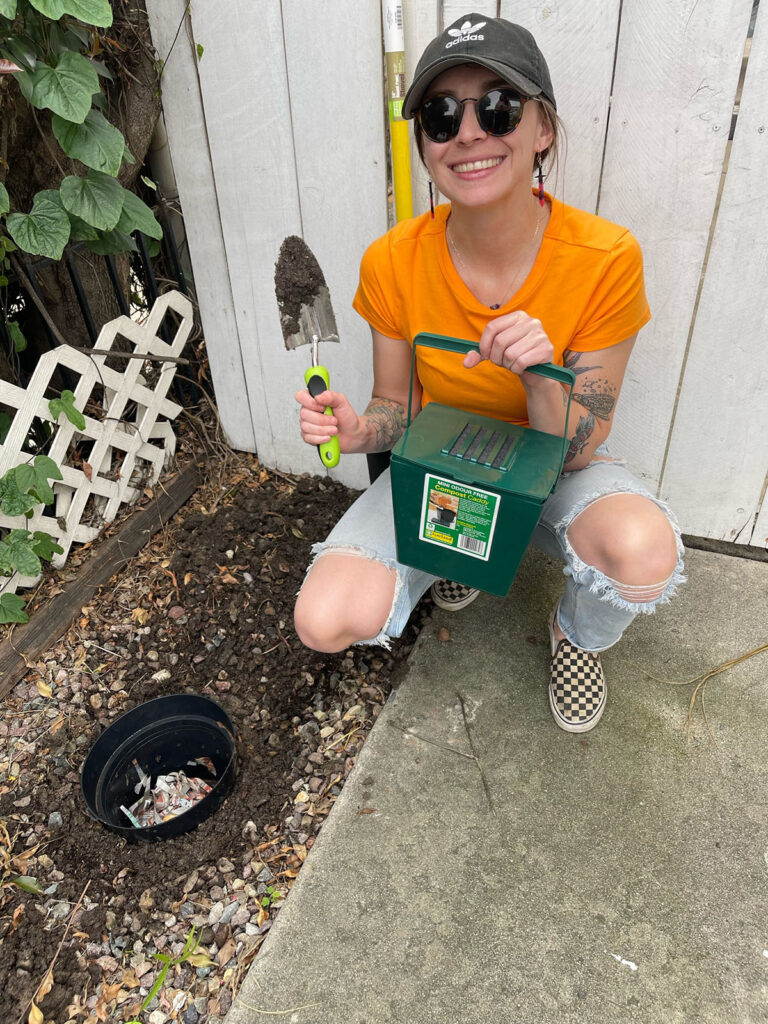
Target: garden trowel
[306,318]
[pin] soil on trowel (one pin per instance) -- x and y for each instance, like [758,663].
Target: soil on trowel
[207,609]
[298,281]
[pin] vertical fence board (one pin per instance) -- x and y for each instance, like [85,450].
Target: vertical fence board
[676,76]
[286,158]
[718,456]
[578,42]
[185,124]
[338,112]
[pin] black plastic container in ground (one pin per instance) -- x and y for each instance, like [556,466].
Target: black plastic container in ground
[162,735]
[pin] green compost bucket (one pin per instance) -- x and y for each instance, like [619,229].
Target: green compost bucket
[468,490]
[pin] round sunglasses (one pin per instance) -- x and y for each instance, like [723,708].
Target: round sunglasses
[498,112]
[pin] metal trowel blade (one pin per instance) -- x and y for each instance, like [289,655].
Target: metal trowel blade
[303,299]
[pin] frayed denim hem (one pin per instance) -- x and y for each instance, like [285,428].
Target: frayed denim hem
[383,639]
[598,583]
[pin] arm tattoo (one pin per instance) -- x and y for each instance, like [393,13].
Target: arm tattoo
[387,420]
[580,439]
[598,395]
[571,359]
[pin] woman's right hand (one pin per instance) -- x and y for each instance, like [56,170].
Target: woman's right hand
[317,427]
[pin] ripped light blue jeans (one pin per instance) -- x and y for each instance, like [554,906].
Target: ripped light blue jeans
[593,611]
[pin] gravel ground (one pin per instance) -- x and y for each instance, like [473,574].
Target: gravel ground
[206,608]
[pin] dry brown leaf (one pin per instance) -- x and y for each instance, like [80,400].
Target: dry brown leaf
[187,577]
[300,851]
[228,578]
[35,1015]
[109,992]
[17,914]
[263,915]
[45,986]
[87,471]
[140,615]
[130,980]
[57,725]
[227,950]
[43,688]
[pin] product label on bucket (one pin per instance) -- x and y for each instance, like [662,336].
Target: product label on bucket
[459,517]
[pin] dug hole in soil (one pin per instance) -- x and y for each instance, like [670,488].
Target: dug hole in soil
[206,608]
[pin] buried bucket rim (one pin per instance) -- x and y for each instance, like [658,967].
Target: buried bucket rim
[149,717]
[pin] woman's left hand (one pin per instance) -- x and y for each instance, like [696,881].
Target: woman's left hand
[514,341]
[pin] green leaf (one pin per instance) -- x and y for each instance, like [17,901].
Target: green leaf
[44,231]
[65,89]
[148,182]
[6,569]
[45,546]
[66,405]
[82,232]
[44,464]
[92,12]
[27,882]
[20,553]
[110,243]
[128,156]
[5,426]
[200,49]
[156,987]
[14,501]
[19,341]
[5,200]
[97,199]
[137,216]
[95,143]
[12,609]
[8,9]
[50,8]
[23,51]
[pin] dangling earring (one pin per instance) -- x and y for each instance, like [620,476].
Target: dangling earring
[540,175]
[431,200]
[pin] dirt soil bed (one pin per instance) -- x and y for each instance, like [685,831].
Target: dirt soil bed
[206,608]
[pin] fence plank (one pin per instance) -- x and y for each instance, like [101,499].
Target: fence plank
[676,76]
[268,187]
[420,24]
[718,457]
[578,42]
[185,124]
[337,113]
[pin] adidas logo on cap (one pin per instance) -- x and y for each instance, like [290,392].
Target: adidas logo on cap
[467,33]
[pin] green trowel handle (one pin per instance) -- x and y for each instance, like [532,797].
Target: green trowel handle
[558,373]
[317,380]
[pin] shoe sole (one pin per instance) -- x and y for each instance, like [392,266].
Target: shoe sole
[559,721]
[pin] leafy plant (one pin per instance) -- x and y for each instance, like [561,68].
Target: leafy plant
[188,955]
[12,866]
[21,488]
[270,896]
[54,45]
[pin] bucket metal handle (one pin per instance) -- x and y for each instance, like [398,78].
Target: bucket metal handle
[459,345]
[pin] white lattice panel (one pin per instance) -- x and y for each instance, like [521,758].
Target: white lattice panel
[127,439]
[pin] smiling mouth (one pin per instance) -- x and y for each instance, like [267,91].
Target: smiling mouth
[477,165]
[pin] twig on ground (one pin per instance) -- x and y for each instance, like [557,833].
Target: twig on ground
[442,746]
[276,1013]
[700,684]
[483,779]
[49,972]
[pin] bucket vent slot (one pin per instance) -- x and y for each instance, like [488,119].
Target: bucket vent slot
[493,448]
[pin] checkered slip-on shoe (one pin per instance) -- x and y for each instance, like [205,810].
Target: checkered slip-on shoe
[577,691]
[452,596]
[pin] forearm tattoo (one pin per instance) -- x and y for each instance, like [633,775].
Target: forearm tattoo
[597,394]
[387,419]
[580,439]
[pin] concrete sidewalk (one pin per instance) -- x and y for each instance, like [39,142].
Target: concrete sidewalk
[617,877]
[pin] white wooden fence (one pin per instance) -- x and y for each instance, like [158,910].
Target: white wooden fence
[279,129]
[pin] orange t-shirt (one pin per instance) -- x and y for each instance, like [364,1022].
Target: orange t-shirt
[586,287]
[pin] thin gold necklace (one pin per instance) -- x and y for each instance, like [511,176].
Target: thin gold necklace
[452,244]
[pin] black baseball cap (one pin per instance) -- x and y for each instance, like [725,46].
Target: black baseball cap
[494,43]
